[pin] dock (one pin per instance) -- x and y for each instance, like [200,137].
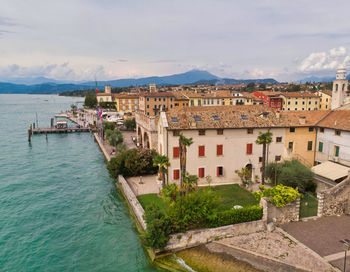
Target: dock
[59,130]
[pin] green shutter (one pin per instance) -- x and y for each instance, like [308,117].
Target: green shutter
[320,147]
[336,151]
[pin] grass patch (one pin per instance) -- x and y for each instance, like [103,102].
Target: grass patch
[233,194]
[148,199]
[308,205]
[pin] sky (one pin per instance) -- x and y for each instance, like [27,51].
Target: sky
[79,40]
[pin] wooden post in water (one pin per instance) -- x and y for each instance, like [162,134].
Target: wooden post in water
[46,135]
[52,123]
[34,125]
[30,133]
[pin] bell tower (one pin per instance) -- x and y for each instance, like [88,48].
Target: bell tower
[340,88]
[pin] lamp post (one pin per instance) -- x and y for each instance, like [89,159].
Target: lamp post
[346,246]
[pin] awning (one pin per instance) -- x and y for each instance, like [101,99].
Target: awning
[331,170]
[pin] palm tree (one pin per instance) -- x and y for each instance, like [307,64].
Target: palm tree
[190,182]
[163,163]
[183,143]
[264,139]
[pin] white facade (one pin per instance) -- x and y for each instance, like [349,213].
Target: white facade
[340,88]
[330,141]
[234,144]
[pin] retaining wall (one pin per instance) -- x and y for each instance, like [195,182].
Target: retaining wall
[132,200]
[196,237]
[335,201]
[280,215]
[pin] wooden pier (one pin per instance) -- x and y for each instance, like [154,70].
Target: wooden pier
[59,130]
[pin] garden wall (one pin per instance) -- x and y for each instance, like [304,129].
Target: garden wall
[280,215]
[192,238]
[335,201]
[132,201]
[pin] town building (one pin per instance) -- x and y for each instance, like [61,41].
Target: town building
[126,102]
[106,96]
[270,99]
[325,99]
[300,101]
[340,93]
[152,103]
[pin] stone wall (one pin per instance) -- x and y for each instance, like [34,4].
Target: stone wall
[196,237]
[335,201]
[280,215]
[132,201]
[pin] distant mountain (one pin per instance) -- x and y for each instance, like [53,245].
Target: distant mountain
[35,80]
[316,79]
[190,77]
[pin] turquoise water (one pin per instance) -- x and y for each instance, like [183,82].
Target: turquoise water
[59,210]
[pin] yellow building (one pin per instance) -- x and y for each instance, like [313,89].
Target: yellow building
[300,136]
[325,99]
[126,102]
[214,98]
[297,101]
[251,99]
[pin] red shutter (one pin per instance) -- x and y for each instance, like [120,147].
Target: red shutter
[217,172]
[201,151]
[176,152]
[219,149]
[201,172]
[176,174]
[249,148]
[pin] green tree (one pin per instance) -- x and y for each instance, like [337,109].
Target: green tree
[264,139]
[262,86]
[190,182]
[130,124]
[251,87]
[114,137]
[163,163]
[245,174]
[183,143]
[90,101]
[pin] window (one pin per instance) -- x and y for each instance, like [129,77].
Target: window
[321,130]
[219,150]
[309,145]
[320,147]
[277,158]
[249,149]
[176,132]
[147,99]
[201,151]
[337,132]
[164,99]
[336,151]
[290,146]
[176,174]
[250,131]
[201,132]
[303,102]
[260,159]
[147,106]
[201,172]
[155,99]
[311,129]
[278,139]
[244,117]
[219,171]
[197,118]
[288,102]
[220,132]
[296,102]
[295,108]
[176,152]
[292,129]
[216,117]
[174,119]
[309,102]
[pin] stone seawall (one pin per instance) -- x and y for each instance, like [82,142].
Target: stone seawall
[100,144]
[132,200]
[191,238]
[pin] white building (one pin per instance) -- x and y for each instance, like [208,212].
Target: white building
[340,94]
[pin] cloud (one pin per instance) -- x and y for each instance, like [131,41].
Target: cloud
[325,61]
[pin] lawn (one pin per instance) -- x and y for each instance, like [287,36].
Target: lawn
[233,194]
[308,205]
[228,196]
[148,199]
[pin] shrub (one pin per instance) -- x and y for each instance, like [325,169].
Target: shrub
[280,195]
[294,174]
[130,124]
[133,162]
[235,216]
[108,125]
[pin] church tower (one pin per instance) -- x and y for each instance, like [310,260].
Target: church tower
[340,88]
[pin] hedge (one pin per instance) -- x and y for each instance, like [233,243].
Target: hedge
[235,216]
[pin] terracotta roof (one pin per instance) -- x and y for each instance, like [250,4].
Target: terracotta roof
[125,96]
[103,94]
[327,92]
[251,96]
[157,94]
[297,94]
[269,93]
[339,119]
[242,116]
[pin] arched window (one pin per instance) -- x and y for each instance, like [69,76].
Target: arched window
[336,87]
[343,87]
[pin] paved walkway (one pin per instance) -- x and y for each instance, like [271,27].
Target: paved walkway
[322,235]
[145,185]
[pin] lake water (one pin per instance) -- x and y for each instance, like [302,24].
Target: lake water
[59,210]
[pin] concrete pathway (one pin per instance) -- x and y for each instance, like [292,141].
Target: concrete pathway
[145,184]
[323,235]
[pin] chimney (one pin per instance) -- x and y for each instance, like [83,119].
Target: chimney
[302,120]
